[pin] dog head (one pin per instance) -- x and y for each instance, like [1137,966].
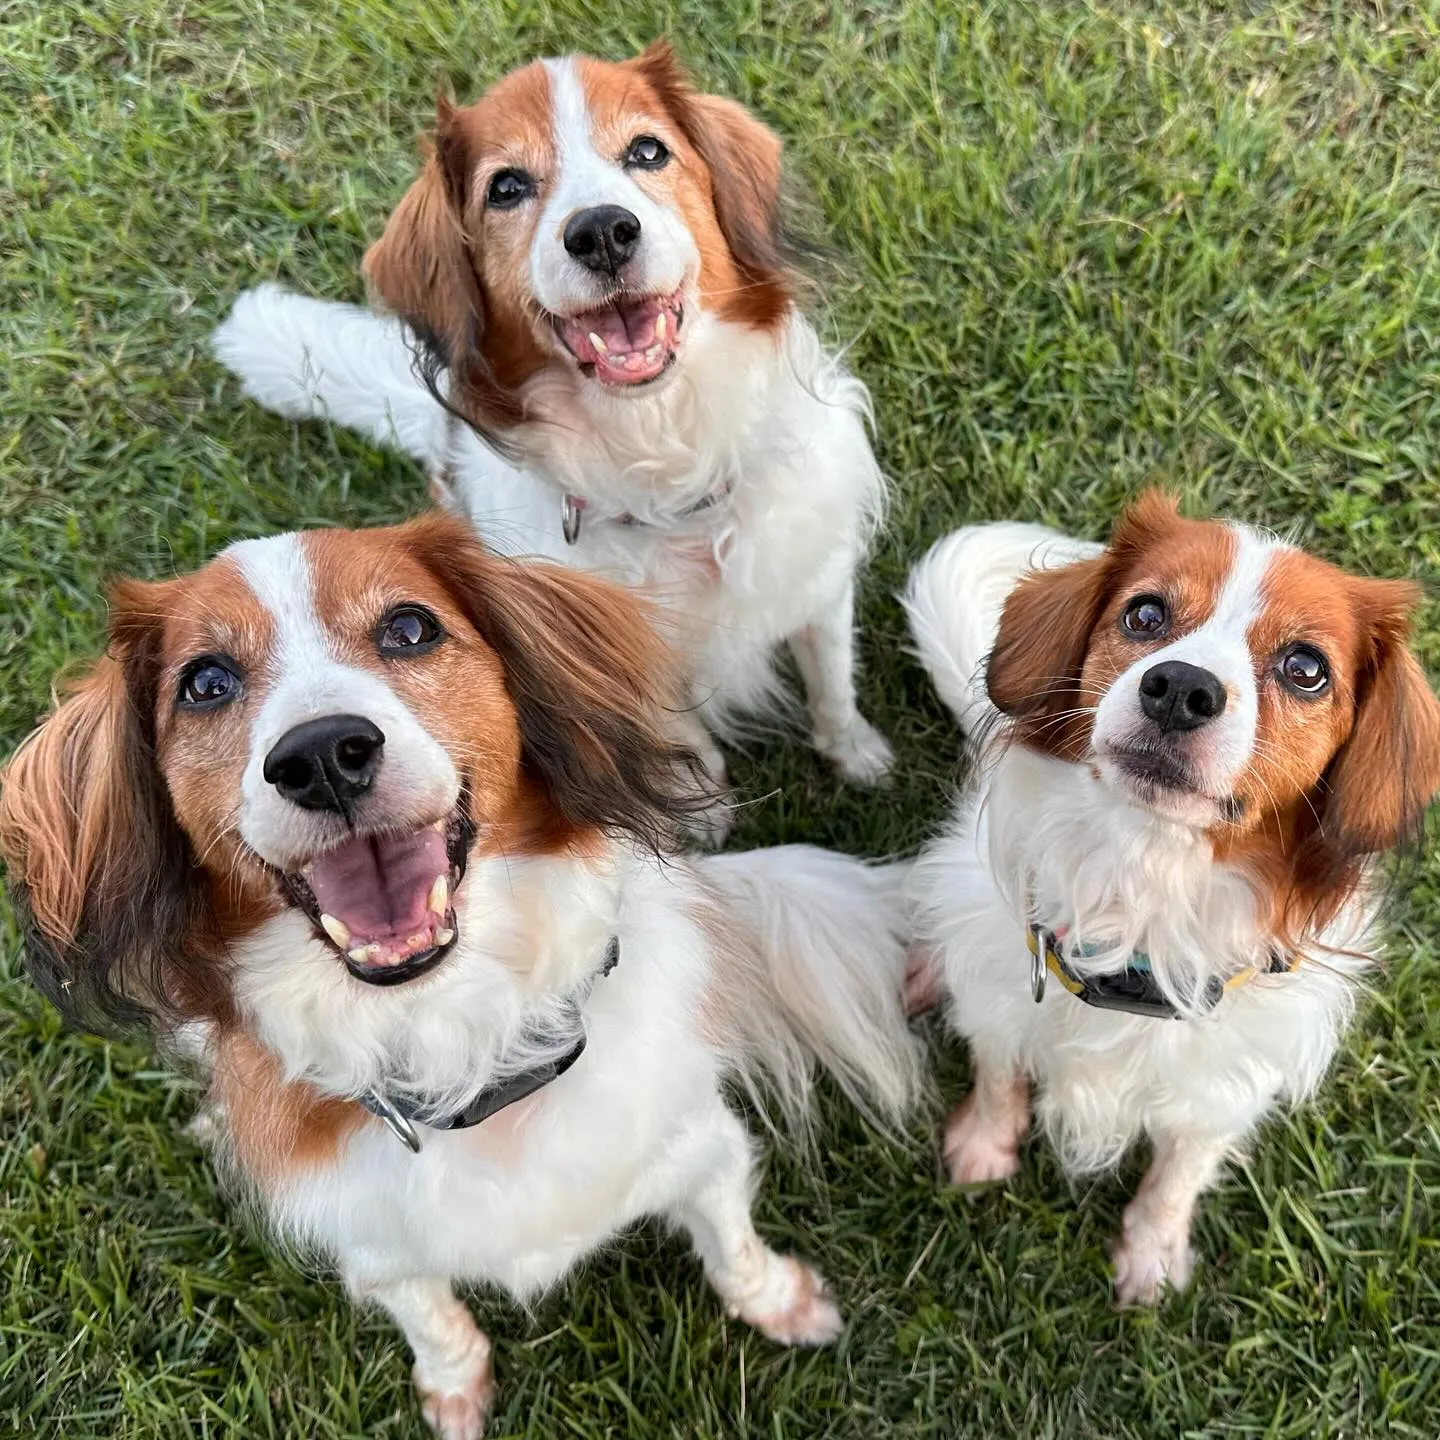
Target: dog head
[331,723]
[1229,681]
[581,214]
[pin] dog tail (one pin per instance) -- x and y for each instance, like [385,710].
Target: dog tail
[956,593]
[811,968]
[320,360]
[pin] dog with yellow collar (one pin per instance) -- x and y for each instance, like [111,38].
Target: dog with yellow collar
[1156,904]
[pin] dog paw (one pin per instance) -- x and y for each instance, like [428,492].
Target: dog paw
[802,1314]
[860,752]
[455,1407]
[976,1153]
[1148,1259]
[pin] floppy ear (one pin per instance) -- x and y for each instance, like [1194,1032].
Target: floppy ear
[423,269]
[743,158]
[594,685]
[112,907]
[1388,771]
[1033,674]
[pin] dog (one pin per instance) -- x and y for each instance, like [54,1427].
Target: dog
[613,372]
[375,820]
[1158,902]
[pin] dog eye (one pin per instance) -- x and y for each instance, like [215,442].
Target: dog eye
[410,629]
[508,189]
[646,153]
[1303,669]
[209,682]
[1146,616]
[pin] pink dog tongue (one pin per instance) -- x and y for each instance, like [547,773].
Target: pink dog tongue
[623,341]
[625,326]
[379,887]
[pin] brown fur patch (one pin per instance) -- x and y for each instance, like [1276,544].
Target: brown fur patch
[276,1126]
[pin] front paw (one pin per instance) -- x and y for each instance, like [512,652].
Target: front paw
[455,1407]
[802,1313]
[859,752]
[1148,1258]
[977,1152]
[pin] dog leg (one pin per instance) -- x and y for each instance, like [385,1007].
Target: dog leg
[1153,1250]
[983,1133]
[782,1297]
[825,655]
[710,823]
[453,1372]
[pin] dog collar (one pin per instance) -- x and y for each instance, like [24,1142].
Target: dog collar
[1133,990]
[573,508]
[402,1115]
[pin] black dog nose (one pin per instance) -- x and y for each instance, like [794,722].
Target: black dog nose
[326,764]
[1177,696]
[602,238]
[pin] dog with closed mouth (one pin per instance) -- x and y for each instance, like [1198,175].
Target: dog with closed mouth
[374,821]
[1159,900]
[593,342]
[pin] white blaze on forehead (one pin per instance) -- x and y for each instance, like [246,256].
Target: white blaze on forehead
[278,572]
[584,178]
[307,680]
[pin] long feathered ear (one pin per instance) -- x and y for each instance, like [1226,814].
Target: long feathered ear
[113,908]
[1033,674]
[424,268]
[743,158]
[1388,771]
[594,685]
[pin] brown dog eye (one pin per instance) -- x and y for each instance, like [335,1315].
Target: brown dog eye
[208,683]
[1146,617]
[508,189]
[1303,669]
[408,630]
[646,153]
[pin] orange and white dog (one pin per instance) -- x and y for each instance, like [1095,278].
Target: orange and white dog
[1158,901]
[593,343]
[373,819]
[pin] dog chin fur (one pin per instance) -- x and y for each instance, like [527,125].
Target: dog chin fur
[769,421]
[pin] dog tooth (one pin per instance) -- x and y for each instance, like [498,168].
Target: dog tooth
[661,320]
[443,936]
[440,895]
[601,348]
[337,930]
[363,954]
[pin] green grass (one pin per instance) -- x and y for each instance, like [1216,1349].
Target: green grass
[1088,246]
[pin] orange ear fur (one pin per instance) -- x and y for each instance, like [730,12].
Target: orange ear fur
[593,683]
[112,906]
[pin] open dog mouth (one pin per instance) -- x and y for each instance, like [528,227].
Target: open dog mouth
[629,341]
[385,902]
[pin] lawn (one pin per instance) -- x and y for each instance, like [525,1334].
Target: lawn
[1082,247]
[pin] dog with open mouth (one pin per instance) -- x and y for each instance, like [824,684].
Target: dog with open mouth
[1159,898]
[593,343]
[374,820]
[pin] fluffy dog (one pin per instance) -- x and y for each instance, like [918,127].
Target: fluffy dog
[612,371]
[373,817]
[1198,738]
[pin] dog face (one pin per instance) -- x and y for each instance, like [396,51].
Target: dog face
[1228,681]
[578,215]
[333,723]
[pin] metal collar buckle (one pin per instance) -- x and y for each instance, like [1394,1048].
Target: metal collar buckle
[1040,940]
[378,1105]
[572,512]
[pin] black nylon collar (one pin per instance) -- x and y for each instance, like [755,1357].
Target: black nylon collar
[402,1116]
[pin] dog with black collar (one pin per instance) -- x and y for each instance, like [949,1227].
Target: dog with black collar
[378,824]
